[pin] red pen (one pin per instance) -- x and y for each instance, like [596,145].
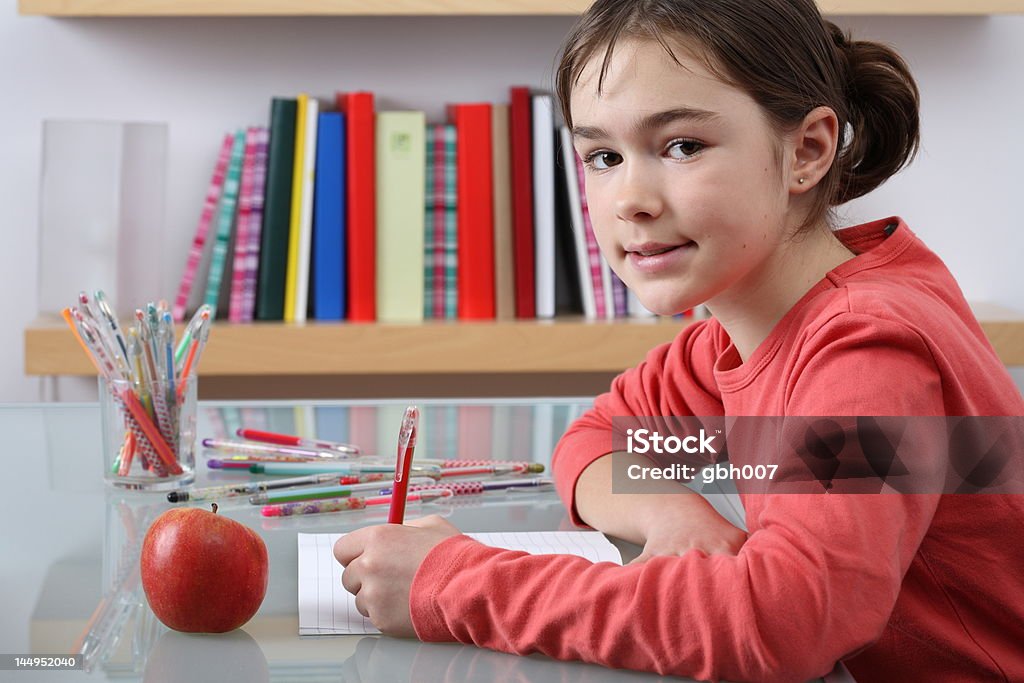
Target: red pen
[406,446]
[289,440]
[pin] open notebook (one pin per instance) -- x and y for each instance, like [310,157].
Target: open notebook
[326,608]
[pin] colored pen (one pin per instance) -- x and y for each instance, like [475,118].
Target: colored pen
[468,488]
[320,492]
[234,490]
[230,446]
[520,468]
[315,507]
[403,462]
[343,467]
[289,440]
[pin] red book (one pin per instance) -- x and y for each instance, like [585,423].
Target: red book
[521,147]
[475,210]
[362,219]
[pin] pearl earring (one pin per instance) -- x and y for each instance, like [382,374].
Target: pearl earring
[802,181]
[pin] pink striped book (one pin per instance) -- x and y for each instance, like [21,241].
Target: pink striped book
[252,264]
[593,252]
[242,227]
[195,254]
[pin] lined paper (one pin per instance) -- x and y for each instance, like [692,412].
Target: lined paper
[326,608]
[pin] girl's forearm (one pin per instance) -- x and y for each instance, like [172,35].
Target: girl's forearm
[629,516]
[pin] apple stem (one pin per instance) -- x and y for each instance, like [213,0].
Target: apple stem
[214,506]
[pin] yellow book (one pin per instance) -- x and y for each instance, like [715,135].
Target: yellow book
[295,230]
[504,267]
[401,176]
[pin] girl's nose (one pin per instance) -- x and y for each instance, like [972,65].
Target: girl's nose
[638,197]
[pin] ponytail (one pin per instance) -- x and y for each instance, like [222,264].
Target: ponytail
[883,103]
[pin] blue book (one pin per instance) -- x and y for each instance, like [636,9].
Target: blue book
[328,277]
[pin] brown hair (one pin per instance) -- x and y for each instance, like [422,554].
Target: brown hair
[789,60]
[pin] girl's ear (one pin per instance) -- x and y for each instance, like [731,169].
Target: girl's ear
[814,147]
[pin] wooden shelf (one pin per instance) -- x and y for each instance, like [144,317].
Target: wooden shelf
[434,348]
[267,349]
[183,8]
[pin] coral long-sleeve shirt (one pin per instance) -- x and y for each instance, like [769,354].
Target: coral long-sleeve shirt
[899,587]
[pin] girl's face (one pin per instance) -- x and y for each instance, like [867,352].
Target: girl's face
[685,192]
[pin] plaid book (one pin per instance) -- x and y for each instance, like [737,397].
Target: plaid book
[429,245]
[252,264]
[242,227]
[451,242]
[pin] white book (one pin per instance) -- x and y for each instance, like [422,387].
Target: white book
[608,289]
[579,236]
[544,204]
[306,209]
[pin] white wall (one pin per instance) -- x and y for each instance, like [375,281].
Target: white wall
[206,76]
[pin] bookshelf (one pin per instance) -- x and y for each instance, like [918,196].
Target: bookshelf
[180,8]
[559,357]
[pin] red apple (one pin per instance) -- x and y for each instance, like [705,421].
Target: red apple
[203,572]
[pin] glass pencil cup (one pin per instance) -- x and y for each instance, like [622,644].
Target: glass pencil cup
[148,434]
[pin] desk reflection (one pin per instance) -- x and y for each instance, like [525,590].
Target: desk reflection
[409,661]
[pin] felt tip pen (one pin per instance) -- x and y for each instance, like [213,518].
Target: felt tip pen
[339,467]
[333,491]
[235,490]
[315,507]
[249,448]
[298,441]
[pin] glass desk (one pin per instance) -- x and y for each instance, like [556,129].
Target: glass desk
[69,548]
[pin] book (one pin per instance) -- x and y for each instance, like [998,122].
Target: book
[431,244]
[504,258]
[195,253]
[302,277]
[568,294]
[225,220]
[475,210]
[361,200]
[521,153]
[329,219]
[401,170]
[297,274]
[450,215]
[544,205]
[252,263]
[594,257]
[242,227]
[573,181]
[276,210]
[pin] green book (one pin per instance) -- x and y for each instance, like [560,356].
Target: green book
[401,181]
[277,203]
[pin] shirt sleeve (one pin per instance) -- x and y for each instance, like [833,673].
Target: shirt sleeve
[816,581]
[674,379]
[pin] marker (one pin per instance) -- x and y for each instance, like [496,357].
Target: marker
[520,468]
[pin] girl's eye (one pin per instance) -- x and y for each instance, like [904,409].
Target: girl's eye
[684,149]
[602,160]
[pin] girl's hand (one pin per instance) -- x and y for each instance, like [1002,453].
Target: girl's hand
[692,523]
[380,563]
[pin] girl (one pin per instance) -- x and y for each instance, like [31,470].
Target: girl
[716,134]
